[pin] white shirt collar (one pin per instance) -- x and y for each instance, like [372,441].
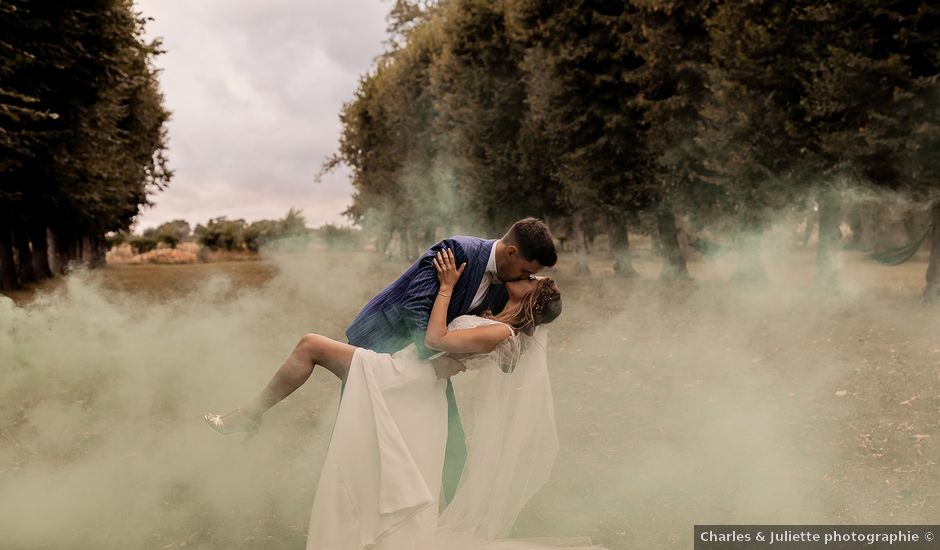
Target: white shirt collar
[491,263]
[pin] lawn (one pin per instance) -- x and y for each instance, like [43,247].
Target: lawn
[676,403]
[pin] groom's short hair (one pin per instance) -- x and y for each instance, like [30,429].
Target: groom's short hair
[534,241]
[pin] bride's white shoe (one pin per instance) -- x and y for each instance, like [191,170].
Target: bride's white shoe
[233,422]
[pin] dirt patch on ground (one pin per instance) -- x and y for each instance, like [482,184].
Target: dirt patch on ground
[184,253]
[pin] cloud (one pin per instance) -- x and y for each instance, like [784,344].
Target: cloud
[255,90]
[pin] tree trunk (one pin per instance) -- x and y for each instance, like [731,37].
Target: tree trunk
[86,250]
[409,244]
[656,245]
[808,231]
[580,245]
[830,215]
[674,267]
[8,270]
[867,222]
[40,241]
[750,264]
[402,250]
[55,260]
[393,246]
[910,224]
[24,265]
[590,234]
[58,255]
[854,219]
[428,237]
[383,236]
[620,246]
[932,290]
[73,251]
[99,250]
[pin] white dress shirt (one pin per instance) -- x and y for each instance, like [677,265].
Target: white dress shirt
[490,277]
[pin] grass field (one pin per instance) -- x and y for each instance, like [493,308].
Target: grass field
[676,403]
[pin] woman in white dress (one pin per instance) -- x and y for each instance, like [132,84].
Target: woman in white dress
[381,481]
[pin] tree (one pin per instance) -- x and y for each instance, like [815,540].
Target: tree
[83,132]
[579,60]
[385,143]
[480,97]
[221,233]
[753,137]
[173,232]
[672,39]
[872,99]
[290,232]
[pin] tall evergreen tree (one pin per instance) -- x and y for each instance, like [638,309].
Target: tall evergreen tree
[82,157]
[872,100]
[579,60]
[672,40]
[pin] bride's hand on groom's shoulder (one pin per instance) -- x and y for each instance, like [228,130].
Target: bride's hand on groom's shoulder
[447,271]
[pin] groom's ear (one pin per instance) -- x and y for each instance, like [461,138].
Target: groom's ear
[511,251]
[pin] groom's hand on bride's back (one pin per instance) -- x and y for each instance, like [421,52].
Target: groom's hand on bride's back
[446,366]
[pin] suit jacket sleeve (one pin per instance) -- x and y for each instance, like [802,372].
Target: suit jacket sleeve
[421,293]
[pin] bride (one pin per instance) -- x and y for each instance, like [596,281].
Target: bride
[380,487]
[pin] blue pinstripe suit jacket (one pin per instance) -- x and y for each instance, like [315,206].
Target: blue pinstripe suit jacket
[399,314]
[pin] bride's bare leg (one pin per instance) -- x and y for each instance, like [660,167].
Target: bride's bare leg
[311,350]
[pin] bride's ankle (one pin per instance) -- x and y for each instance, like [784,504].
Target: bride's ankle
[251,413]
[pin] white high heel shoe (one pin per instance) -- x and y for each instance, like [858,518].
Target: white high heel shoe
[238,422]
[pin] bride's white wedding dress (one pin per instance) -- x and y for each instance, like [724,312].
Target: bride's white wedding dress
[380,486]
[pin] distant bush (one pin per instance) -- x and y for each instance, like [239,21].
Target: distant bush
[221,233]
[288,233]
[174,232]
[340,238]
[169,233]
[260,233]
[142,244]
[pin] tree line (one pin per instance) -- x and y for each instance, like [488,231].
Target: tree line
[289,233]
[620,117]
[82,135]
[220,233]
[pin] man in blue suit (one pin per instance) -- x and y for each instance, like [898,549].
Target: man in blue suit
[398,315]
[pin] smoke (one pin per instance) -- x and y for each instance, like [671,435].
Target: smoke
[714,402]
[702,402]
[103,444]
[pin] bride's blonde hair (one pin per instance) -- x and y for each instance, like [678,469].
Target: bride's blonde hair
[540,306]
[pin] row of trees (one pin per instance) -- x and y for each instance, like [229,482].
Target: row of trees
[81,131]
[225,234]
[221,233]
[621,116]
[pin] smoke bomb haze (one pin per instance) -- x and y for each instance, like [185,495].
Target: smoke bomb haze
[699,402]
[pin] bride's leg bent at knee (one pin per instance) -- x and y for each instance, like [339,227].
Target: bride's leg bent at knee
[333,355]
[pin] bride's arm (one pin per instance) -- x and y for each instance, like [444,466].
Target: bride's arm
[473,340]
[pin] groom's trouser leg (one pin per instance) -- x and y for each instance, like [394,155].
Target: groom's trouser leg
[455,454]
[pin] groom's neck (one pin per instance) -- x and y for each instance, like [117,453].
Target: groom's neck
[500,257]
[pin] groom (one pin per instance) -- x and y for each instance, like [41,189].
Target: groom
[398,315]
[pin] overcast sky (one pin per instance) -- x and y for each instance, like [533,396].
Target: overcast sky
[255,89]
